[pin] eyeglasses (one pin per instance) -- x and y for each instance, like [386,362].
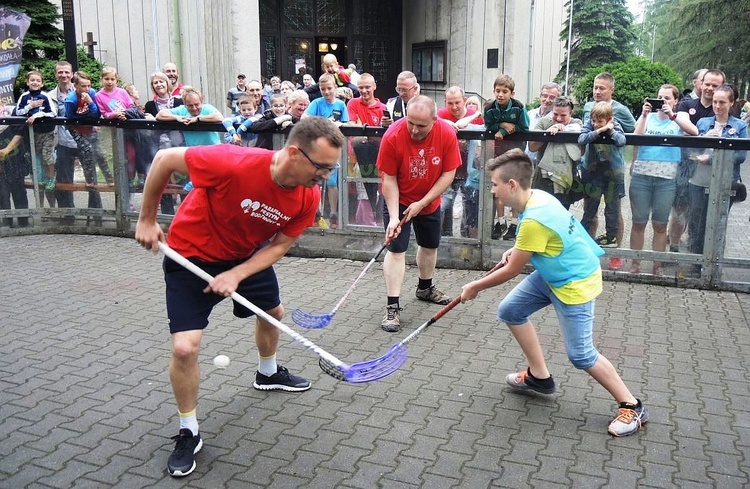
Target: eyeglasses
[405,90]
[321,168]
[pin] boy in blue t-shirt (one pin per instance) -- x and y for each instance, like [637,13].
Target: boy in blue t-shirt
[335,110]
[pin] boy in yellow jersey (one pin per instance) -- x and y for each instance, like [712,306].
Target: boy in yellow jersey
[567,275]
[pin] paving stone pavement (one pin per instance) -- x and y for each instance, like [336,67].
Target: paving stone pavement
[85,399]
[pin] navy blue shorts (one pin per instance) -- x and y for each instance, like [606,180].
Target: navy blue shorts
[426,229]
[188,307]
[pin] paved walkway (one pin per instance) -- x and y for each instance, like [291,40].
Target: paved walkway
[85,399]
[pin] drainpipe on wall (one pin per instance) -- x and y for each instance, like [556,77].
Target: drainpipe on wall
[532,33]
[505,30]
[155,27]
[177,58]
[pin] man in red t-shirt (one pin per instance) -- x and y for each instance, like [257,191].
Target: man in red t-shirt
[417,162]
[366,110]
[246,210]
[458,115]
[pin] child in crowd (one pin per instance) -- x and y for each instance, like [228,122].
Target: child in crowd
[79,104]
[333,108]
[35,104]
[140,144]
[111,99]
[603,172]
[237,126]
[567,276]
[134,95]
[275,119]
[341,75]
[505,116]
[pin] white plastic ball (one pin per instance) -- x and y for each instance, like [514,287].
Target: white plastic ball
[221,361]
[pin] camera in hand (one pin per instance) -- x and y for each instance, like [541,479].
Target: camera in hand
[656,103]
[386,114]
[336,115]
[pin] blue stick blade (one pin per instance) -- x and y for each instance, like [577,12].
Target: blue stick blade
[370,370]
[311,321]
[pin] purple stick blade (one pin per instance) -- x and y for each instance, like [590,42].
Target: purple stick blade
[369,370]
[311,321]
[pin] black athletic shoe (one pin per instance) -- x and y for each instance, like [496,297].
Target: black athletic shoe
[182,460]
[498,230]
[510,234]
[522,381]
[281,380]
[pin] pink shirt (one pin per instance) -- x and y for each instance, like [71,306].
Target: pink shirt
[110,102]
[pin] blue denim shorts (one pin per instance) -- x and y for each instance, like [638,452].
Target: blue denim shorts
[651,195]
[188,307]
[576,320]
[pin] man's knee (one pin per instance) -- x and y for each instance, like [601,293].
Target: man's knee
[276,313]
[185,346]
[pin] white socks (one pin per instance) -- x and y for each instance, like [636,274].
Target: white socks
[267,365]
[190,421]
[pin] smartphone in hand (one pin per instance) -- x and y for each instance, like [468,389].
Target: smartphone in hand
[656,103]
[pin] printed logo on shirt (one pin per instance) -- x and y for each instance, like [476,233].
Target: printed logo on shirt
[418,164]
[691,111]
[116,106]
[264,212]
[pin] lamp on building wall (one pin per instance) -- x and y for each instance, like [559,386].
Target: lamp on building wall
[323,47]
[334,46]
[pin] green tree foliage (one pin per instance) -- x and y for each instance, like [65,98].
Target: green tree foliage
[44,45]
[635,79]
[602,33]
[693,34]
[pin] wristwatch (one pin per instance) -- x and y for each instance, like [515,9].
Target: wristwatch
[198,119]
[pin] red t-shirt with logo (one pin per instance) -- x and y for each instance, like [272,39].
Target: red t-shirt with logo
[365,114]
[235,205]
[417,165]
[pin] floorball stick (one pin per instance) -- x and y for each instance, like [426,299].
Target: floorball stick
[398,352]
[366,371]
[317,321]
[443,311]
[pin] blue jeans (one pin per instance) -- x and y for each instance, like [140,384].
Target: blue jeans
[603,183]
[651,196]
[697,209]
[576,320]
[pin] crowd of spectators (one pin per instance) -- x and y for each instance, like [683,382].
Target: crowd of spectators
[667,185]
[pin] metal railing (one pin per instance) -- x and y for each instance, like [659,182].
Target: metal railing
[724,263]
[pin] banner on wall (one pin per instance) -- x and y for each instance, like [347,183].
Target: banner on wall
[13,27]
